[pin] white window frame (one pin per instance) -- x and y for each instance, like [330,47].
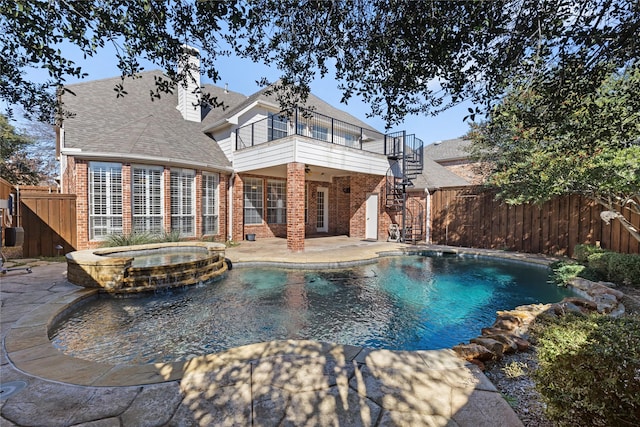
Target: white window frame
[147,199]
[253,191]
[105,199]
[183,201]
[277,126]
[320,132]
[210,204]
[351,140]
[276,201]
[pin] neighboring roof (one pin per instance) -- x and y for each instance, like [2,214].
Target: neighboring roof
[450,149]
[134,125]
[435,176]
[317,104]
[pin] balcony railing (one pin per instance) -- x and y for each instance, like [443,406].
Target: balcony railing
[310,124]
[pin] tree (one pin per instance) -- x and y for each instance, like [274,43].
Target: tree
[401,57]
[588,145]
[37,35]
[17,166]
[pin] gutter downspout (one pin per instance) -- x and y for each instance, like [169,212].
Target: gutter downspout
[427,234]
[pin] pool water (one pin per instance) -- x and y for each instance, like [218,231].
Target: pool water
[399,303]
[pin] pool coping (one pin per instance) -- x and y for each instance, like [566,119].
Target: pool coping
[30,350]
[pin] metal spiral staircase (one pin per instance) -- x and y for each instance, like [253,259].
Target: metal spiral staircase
[406,155]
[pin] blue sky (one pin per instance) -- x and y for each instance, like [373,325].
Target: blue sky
[241,76]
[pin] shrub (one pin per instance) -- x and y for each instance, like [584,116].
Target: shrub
[581,252]
[562,272]
[131,239]
[624,269]
[599,262]
[171,236]
[589,370]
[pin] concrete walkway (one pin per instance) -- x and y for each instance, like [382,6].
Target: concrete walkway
[295,383]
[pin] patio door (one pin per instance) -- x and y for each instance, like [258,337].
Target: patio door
[371,227]
[322,217]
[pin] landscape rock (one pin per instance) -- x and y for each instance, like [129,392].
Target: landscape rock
[472,352]
[494,346]
[507,322]
[509,344]
[580,302]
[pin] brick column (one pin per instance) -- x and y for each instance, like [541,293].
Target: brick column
[295,207]
[238,209]
[82,204]
[223,225]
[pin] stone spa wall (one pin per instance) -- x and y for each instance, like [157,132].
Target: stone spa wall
[115,274]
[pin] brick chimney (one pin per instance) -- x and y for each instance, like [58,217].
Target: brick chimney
[189,89]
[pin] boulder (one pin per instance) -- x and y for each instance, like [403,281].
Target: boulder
[492,331]
[581,284]
[508,322]
[473,352]
[495,347]
[509,344]
[523,345]
[580,302]
[603,290]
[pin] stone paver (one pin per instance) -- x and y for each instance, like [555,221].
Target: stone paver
[284,383]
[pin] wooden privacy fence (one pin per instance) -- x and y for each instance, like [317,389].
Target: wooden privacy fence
[48,220]
[472,217]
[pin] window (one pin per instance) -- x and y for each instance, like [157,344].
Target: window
[351,140]
[320,132]
[301,128]
[183,201]
[210,203]
[105,199]
[253,201]
[146,194]
[276,202]
[277,126]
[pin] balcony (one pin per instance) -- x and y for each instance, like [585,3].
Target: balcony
[309,124]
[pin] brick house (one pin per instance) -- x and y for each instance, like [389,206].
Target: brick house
[138,165]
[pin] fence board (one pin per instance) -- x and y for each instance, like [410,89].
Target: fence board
[495,224]
[553,227]
[48,220]
[536,225]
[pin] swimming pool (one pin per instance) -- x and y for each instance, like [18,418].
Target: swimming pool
[399,303]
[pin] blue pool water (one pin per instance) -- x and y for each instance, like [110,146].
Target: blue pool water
[407,303]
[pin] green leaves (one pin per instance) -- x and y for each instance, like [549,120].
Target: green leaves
[18,165]
[401,57]
[586,145]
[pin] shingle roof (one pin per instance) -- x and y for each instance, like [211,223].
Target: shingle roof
[435,176]
[450,149]
[137,126]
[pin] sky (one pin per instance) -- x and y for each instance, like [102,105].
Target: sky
[241,76]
